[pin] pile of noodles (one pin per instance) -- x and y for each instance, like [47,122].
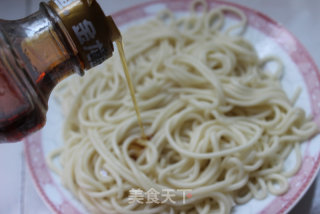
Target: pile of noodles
[220,126]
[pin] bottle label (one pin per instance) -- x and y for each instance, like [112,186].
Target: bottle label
[86,35]
[96,53]
[84,31]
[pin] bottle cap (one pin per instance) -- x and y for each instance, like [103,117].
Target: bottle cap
[88,30]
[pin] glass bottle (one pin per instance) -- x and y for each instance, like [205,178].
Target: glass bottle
[63,37]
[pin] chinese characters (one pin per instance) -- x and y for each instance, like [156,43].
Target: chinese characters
[152,196]
[96,53]
[86,35]
[84,31]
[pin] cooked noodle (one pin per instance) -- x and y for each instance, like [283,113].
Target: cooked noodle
[219,122]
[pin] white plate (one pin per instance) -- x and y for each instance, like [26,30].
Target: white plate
[268,38]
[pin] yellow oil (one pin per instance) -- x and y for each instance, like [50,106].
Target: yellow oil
[130,85]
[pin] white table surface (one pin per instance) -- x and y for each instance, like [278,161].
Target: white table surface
[17,191]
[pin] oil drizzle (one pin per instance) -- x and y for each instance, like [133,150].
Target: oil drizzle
[130,85]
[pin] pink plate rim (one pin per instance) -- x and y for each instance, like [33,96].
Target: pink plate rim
[299,55]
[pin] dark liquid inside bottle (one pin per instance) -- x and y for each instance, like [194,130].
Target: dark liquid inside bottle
[18,116]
